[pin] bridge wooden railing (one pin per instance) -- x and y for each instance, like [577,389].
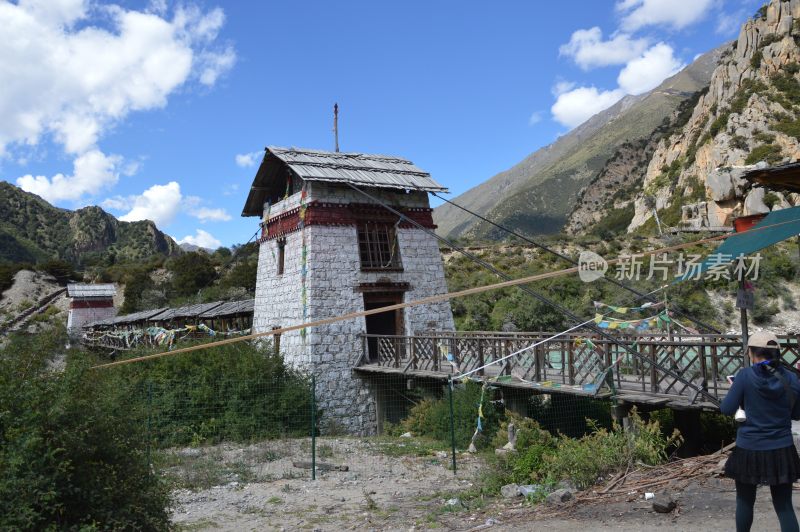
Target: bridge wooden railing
[702,360]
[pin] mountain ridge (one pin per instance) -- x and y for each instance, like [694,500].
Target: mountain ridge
[33,230]
[536,194]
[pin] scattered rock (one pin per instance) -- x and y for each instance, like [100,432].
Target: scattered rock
[560,496]
[455,501]
[406,435]
[189,451]
[530,489]
[512,438]
[510,491]
[664,503]
[566,484]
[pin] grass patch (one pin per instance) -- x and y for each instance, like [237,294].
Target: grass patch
[397,447]
[771,153]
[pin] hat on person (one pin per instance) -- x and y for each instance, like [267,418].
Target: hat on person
[763,339]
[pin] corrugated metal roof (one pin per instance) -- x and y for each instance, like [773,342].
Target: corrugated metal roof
[91,290]
[189,311]
[784,178]
[364,169]
[356,168]
[230,308]
[138,316]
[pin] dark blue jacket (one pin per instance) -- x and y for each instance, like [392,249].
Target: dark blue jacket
[766,405]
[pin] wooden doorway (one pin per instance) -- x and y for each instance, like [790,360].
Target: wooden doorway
[385,323]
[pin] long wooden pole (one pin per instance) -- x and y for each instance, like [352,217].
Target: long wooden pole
[424,301]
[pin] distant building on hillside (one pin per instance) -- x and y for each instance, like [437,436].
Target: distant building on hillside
[328,250]
[89,303]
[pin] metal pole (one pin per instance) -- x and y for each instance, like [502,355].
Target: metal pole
[745,334]
[336,125]
[452,424]
[149,415]
[313,427]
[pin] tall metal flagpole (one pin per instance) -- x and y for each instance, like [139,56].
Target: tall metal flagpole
[336,125]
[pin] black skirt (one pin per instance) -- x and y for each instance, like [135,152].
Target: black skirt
[768,468]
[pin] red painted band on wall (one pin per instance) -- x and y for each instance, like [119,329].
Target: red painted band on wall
[343,214]
[91,303]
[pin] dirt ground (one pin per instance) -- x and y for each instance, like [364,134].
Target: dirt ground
[391,485]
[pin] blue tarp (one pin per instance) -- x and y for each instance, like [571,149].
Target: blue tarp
[776,227]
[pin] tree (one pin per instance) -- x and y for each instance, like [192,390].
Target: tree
[191,272]
[73,453]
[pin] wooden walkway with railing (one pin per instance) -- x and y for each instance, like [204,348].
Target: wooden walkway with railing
[678,371]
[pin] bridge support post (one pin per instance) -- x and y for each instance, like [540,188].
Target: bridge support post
[688,423]
[619,413]
[516,400]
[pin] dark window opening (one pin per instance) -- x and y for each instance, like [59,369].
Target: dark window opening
[281,255]
[276,341]
[378,247]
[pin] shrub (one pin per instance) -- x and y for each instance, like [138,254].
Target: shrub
[236,392]
[771,199]
[755,61]
[790,128]
[616,221]
[788,86]
[719,123]
[431,418]
[543,458]
[72,449]
[60,269]
[771,153]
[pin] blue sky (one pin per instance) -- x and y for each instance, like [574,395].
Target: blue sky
[153,109]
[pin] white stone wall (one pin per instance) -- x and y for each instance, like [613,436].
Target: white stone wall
[333,277]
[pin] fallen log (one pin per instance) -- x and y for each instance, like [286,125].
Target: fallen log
[321,466]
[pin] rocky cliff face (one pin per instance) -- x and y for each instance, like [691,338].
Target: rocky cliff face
[747,117]
[536,195]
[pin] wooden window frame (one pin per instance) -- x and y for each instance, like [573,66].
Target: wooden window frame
[378,248]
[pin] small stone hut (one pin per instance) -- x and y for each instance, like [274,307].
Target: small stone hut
[327,250]
[89,303]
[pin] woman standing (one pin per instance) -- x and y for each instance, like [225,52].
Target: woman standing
[765,453]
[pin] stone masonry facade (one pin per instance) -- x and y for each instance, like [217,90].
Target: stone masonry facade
[333,278]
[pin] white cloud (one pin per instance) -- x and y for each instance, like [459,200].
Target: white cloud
[206,214]
[118,203]
[535,118]
[92,171]
[201,238]
[676,14]
[246,160]
[230,190]
[159,203]
[588,49]
[563,86]
[574,107]
[646,72]
[66,76]
[729,23]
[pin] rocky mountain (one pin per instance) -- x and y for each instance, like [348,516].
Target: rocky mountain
[32,230]
[537,194]
[748,116]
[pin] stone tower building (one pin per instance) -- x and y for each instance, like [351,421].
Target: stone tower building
[327,250]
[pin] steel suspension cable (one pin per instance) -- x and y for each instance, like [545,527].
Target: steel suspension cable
[675,308]
[563,310]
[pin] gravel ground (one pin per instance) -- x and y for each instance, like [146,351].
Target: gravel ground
[385,489]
